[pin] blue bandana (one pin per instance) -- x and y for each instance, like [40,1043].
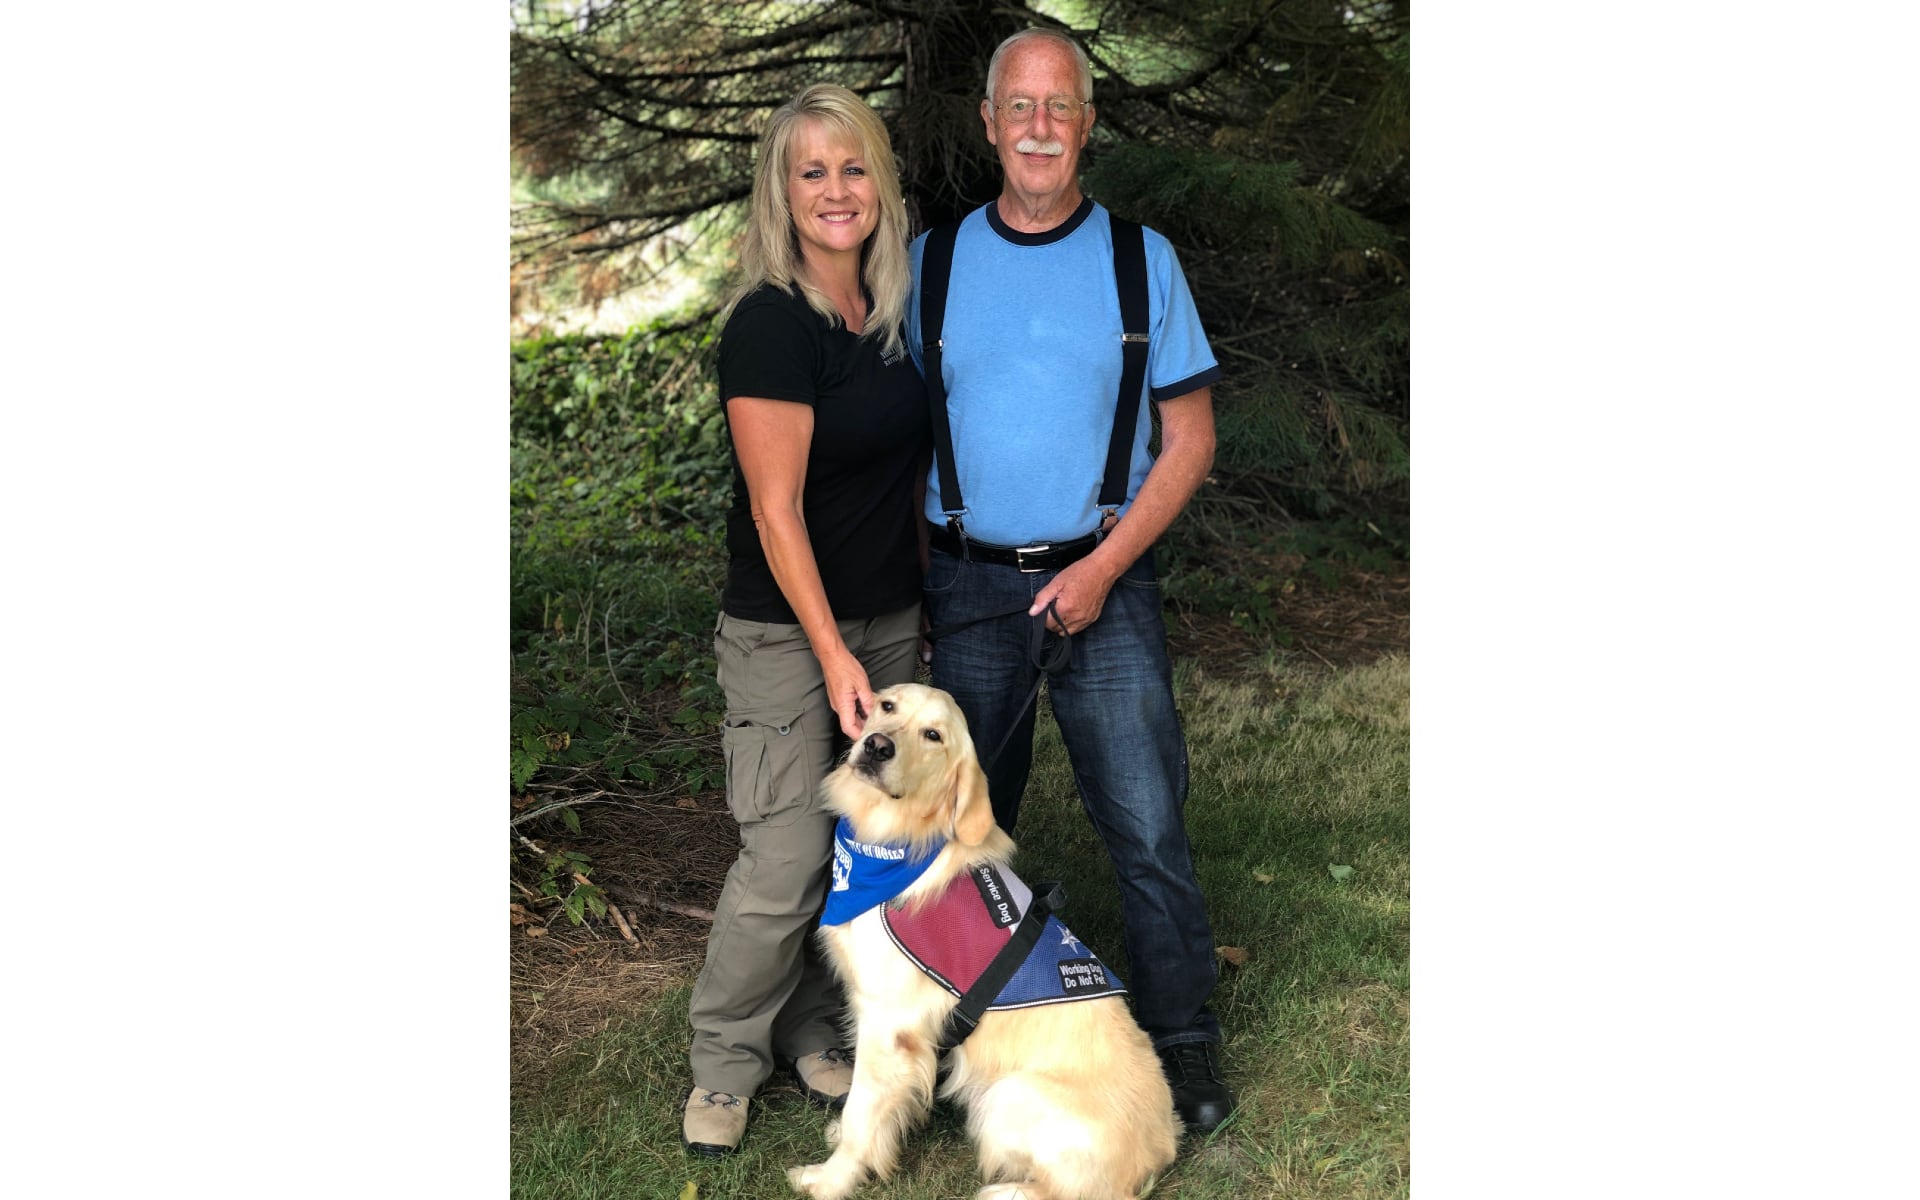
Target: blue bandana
[865,874]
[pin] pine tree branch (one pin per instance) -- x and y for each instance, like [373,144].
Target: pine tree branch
[677,134]
[762,67]
[1194,77]
[799,33]
[572,223]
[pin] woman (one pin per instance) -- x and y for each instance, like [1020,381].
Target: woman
[830,434]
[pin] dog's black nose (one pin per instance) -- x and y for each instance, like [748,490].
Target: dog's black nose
[879,748]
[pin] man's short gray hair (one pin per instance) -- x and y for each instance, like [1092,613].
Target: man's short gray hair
[1079,58]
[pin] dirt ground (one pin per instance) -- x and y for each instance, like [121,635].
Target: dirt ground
[662,859]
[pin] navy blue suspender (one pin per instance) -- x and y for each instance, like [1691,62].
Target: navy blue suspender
[1130,279]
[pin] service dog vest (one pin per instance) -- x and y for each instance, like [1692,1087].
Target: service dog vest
[953,936]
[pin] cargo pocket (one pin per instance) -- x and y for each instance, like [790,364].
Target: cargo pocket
[767,776]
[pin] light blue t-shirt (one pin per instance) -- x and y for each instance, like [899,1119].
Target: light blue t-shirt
[1031,363]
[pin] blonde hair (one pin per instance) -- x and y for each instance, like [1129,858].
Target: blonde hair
[770,248]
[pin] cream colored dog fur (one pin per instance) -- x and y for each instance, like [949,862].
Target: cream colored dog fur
[1063,1101]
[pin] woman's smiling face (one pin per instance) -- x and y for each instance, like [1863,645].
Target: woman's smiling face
[834,203]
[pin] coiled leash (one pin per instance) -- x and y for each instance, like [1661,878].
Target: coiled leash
[1048,897]
[1047,663]
[1130,281]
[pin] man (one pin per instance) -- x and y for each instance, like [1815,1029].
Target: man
[1030,355]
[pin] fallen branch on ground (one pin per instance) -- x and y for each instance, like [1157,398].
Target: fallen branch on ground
[613,910]
[626,930]
[685,910]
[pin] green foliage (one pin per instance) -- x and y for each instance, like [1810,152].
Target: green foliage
[617,442]
[619,487]
[563,875]
[547,733]
[1347,541]
[1202,196]
[1299,452]
[1244,571]
[1206,579]
[1305,300]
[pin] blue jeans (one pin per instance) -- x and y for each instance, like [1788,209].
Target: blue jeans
[1114,706]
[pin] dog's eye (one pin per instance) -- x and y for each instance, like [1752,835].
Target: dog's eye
[932,735]
[886,706]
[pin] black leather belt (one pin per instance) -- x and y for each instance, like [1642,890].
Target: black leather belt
[1046,556]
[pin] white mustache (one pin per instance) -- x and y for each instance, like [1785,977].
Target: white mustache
[1030,146]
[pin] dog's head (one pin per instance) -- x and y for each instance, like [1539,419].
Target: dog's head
[913,775]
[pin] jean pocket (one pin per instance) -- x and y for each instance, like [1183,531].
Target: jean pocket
[943,572]
[766,760]
[1141,576]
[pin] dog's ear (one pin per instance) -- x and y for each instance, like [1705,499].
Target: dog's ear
[972,810]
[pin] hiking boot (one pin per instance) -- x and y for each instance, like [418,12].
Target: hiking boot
[825,1077]
[713,1123]
[1200,1096]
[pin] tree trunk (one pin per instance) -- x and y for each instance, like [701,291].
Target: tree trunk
[947,167]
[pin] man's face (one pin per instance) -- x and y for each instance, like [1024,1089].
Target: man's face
[1040,155]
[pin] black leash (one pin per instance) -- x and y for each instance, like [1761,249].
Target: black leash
[1046,663]
[1048,897]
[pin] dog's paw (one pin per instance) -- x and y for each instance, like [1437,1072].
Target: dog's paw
[818,1181]
[833,1133]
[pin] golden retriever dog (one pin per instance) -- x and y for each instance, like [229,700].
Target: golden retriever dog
[1064,1101]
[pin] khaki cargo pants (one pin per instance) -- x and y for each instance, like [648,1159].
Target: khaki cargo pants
[765,990]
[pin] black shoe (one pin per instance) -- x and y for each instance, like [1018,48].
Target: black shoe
[1200,1096]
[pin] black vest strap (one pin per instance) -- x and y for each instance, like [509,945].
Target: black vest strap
[965,1017]
[1130,280]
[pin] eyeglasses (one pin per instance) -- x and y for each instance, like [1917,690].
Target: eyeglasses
[1020,110]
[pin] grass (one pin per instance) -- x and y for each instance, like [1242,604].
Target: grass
[1292,775]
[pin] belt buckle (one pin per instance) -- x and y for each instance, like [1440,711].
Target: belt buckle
[1019,553]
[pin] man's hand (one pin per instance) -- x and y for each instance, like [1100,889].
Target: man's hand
[1079,593]
[1186,455]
